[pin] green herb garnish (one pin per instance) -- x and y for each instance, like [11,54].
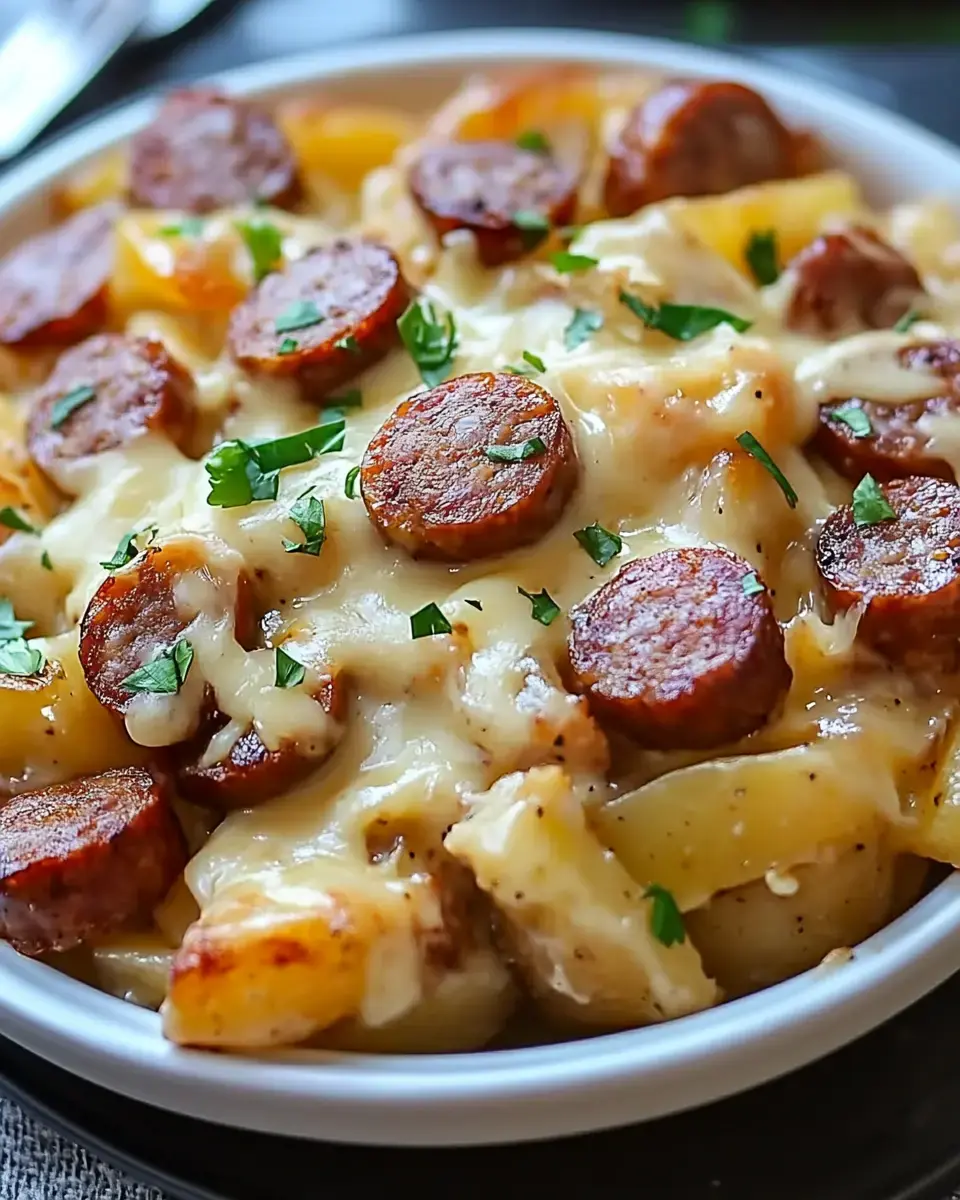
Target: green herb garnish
[127,549]
[534,365]
[751,584]
[908,319]
[599,543]
[428,621]
[854,418]
[347,342]
[666,920]
[569,264]
[241,472]
[289,671]
[749,443]
[682,322]
[351,399]
[761,256]
[870,505]
[13,520]
[430,342]
[288,346]
[583,323]
[534,227]
[189,227]
[544,608]
[350,483]
[533,139]
[299,315]
[165,674]
[11,630]
[307,512]
[517,452]
[265,243]
[19,658]
[65,405]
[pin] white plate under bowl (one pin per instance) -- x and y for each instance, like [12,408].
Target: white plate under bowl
[509,1095]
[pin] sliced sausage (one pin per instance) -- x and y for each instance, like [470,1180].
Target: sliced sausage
[695,138]
[482,186]
[845,282]
[53,287]
[896,447]
[205,150]
[677,653]
[85,858]
[344,298]
[134,613]
[903,573]
[430,486]
[137,387]
[250,773]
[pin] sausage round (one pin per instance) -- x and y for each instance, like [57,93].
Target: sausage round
[138,387]
[53,287]
[85,858]
[482,186]
[250,773]
[349,289]
[134,613]
[848,281]
[675,652]
[693,138]
[896,447]
[204,150]
[904,573]
[430,486]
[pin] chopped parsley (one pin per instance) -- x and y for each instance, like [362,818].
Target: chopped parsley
[241,472]
[569,264]
[682,322]
[17,657]
[751,584]
[307,512]
[289,671]
[13,520]
[583,323]
[475,604]
[429,621]
[599,543]
[430,342]
[666,920]
[351,399]
[854,418]
[189,227]
[11,629]
[517,452]
[76,398]
[350,483]
[301,314]
[544,608]
[908,319]
[127,548]
[165,674]
[762,258]
[749,443]
[534,227]
[533,139]
[265,243]
[45,561]
[347,342]
[534,364]
[288,346]
[870,505]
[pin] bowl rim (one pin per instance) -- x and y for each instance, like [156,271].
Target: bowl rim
[504,1095]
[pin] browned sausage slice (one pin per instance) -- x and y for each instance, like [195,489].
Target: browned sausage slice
[482,186]
[848,281]
[905,573]
[250,773]
[134,613]
[429,481]
[692,138]
[323,318]
[104,393]
[678,653]
[896,447]
[204,150]
[53,287]
[85,858]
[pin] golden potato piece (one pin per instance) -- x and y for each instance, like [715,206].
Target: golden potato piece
[719,824]
[794,209]
[932,828]
[579,927]
[105,178]
[343,142]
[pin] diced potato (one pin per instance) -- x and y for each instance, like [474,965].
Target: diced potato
[53,728]
[933,827]
[722,823]
[135,967]
[105,178]
[753,936]
[343,142]
[579,925]
[795,209]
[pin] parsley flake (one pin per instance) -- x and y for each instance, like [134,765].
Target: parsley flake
[45,561]
[429,621]
[751,584]
[517,452]
[430,342]
[682,322]
[299,315]
[17,657]
[13,520]
[544,608]
[475,604]
[749,443]
[666,920]
[569,264]
[534,365]
[127,548]
[534,227]
[533,139]
[265,243]
[69,403]
[11,630]
[599,543]
[289,671]
[188,227]
[351,399]
[307,512]
[854,418]
[909,318]
[350,483]
[288,346]
[870,505]
[347,342]
[165,674]
[761,256]
[583,323]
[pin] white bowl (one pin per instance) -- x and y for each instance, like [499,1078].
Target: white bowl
[509,1095]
